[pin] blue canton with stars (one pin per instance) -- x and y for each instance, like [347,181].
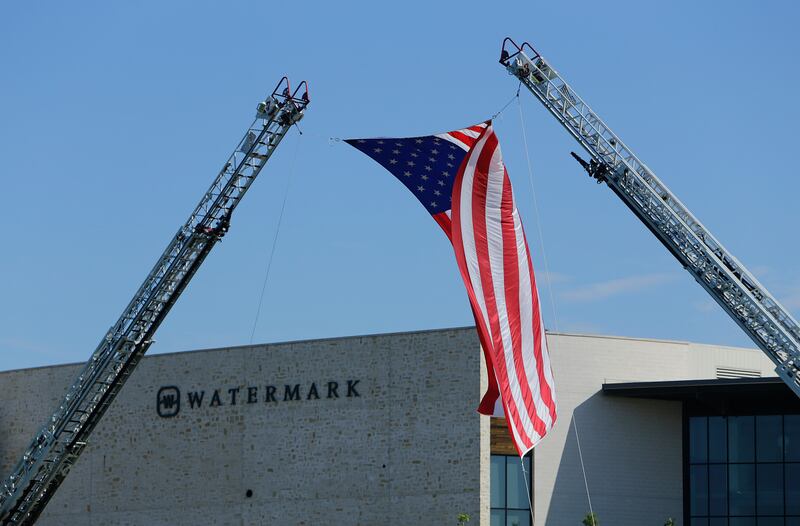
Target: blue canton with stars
[426,165]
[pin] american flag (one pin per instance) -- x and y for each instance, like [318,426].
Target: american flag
[460,179]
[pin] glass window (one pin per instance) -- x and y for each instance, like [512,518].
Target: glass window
[741,438]
[792,485]
[516,491]
[791,439]
[769,438]
[518,518]
[769,489]
[698,439]
[746,473]
[717,489]
[742,492]
[497,475]
[698,478]
[717,439]
[510,500]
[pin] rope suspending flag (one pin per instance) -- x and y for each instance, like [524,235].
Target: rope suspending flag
[461,180]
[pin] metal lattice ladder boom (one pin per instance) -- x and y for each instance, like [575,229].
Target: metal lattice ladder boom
[725,279]
[59,443]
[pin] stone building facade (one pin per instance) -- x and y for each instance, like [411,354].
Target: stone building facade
[370,430]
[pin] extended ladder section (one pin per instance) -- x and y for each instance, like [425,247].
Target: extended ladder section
[731,285]
[57,446]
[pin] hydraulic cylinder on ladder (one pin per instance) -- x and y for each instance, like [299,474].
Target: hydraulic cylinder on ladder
[731,285]
[57,446]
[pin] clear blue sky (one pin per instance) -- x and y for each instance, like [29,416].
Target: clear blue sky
[115,117]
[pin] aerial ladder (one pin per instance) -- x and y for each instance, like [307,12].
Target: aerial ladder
[725,279]
[58,444]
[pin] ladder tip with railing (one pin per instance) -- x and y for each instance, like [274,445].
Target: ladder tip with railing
[727,280]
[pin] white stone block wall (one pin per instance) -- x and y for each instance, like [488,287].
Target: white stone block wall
[632,449]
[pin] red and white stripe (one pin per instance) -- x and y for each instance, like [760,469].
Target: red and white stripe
[494,260]
[464,139]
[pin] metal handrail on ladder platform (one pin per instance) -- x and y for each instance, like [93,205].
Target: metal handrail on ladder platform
[59,443]
[725,279]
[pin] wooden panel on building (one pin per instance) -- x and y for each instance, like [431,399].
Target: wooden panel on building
[500,441]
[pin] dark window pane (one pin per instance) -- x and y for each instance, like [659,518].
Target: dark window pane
[769,438]
[518,518]
[717,439]
[792,479]
[717,489]
[516,496]
[744,470]
[769,481]
[698,439]
[498,518]
[698,484]
[791,433]
[741,436]
[742,492]
[497,483]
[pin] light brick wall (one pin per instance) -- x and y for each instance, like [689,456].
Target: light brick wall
[408,450]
